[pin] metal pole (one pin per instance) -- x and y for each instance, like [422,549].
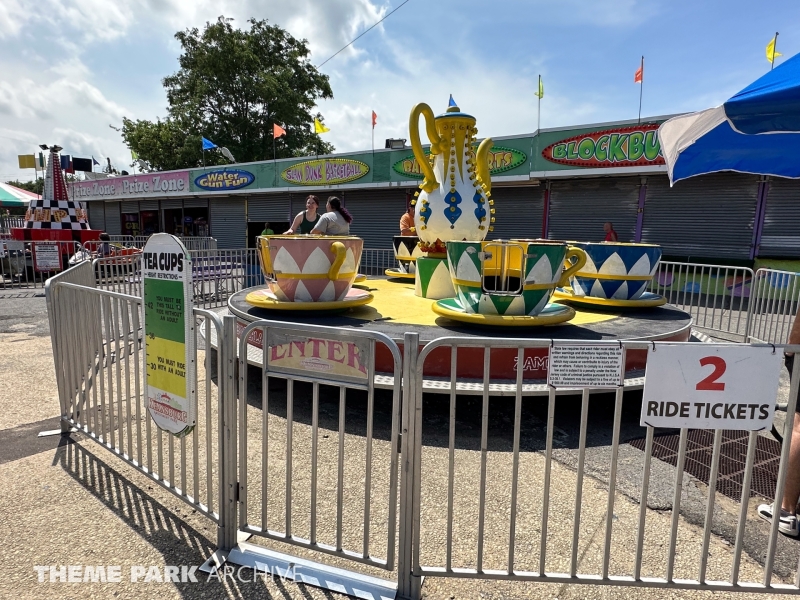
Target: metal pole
[641,89]
[774,49]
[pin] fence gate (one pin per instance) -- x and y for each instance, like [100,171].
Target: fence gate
[296,437]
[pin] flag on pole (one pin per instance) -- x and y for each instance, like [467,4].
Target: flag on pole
[639,75]
[134,156]
[374,119]
[277,131]
[40,164]
[540,94]
[94,161]
[319,127]
[208,144]
[771,54]
[26,161]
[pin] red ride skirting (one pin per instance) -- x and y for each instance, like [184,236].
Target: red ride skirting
[502,361]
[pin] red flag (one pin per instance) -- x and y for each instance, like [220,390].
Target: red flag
[374,119]
[639,75]
[277,131]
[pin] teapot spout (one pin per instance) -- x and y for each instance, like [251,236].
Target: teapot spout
[482,164]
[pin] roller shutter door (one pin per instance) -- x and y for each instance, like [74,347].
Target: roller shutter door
[171,203]
[578,208]
[148,204]
[113,218]
[129,207]
[268,207]
[376,215]
[227,221]
[518,212]
[195,202]
[97,216]
[708,216]
[780,235]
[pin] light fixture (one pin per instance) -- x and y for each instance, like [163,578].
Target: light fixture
[43,146]
[395,144]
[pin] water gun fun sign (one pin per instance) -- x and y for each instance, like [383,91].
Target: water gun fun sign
[169,334]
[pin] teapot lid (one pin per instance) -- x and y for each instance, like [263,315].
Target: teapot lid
[453,111]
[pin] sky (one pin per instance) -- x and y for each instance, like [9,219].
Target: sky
[71,69]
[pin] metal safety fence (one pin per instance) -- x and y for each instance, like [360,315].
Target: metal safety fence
[774,305]
[295,444]
[492,510]
[99,354]
[717,296]
[375,261]
[191,242]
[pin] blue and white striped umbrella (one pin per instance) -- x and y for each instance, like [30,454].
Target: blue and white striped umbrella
[756,131]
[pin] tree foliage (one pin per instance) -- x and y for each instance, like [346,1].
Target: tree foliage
[232,86]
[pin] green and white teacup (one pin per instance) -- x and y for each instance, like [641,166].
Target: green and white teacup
[510,277]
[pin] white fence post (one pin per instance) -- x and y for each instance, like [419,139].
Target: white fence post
[409,585]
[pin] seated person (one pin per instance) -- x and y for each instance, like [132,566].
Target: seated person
[334,222]
[407,222]
[305,220]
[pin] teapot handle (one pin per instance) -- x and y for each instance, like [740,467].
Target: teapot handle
[429,183]
[482,164]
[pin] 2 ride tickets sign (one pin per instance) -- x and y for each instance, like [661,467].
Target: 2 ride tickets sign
[710,386]
[169,334]
[635,146]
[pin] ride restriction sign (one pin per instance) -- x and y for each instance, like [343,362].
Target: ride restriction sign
[710,386]
[169,334]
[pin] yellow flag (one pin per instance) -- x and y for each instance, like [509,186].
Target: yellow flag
[540,93]
[319,127]
[771,54]
[26,161]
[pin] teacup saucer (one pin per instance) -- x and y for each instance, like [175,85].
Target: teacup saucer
[551,315]
[264,298]
[646,300]
[360,278]
[398,274]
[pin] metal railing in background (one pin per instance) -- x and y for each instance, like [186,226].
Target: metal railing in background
[28,265]
[514,534]
[773,306]
[191,242]
[9,223]
[375,261]
[100,364]
[716,296]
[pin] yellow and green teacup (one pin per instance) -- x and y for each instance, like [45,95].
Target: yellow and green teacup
[514,277]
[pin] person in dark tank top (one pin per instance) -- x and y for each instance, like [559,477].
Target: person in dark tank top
[305,220]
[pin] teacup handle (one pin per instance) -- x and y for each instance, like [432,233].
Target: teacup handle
[572,252]
[341,252]
[264,256]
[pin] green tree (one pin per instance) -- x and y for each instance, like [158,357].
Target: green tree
[233,85]
[32,186]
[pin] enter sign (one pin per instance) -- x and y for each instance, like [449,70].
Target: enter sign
[710,386]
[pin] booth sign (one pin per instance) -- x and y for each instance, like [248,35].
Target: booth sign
[500,160]
[621,147]
[224,179]
[325,171]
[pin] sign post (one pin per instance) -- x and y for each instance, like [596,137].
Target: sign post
[169,334]
[710,386]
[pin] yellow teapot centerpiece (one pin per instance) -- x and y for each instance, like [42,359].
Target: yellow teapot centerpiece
[454,202]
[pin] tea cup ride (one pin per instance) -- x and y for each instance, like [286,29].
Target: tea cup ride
[509,283]
[309,273]
[406,252]
[616,275]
